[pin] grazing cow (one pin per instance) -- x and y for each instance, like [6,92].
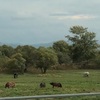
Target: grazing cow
[10,85]
[86,74]
[42,85]
[56,84]
[15,75]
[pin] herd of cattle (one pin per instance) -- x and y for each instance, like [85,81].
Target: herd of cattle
[42,84]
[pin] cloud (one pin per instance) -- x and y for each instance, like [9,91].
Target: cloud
[77,17]
[65,16]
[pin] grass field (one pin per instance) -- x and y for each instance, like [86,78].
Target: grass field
[71,80]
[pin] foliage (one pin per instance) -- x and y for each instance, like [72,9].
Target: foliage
[81,52]
[96,60]
[45,58]
[83,46]
[27,53]
[62,49]
[6,50]
[17,62]
[3,61]
[61,46]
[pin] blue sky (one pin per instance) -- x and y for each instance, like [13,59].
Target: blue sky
[44,21]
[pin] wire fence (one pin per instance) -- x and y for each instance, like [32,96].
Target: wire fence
[38,97]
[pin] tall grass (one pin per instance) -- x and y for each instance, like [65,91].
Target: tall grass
[71,80]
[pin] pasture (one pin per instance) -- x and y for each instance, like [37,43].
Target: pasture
[72,82]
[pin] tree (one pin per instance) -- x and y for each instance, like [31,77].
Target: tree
[61,46]
[7,50]
[62,49]
[45,58]
[5,53]
[83,46]
[96,60]
[17,62]
[27,53]
[3,60]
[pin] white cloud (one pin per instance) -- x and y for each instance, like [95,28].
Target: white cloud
[76,17]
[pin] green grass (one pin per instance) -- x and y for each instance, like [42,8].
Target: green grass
[72,82]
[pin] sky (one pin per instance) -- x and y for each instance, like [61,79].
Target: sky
[45,21]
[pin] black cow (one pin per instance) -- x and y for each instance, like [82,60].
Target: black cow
[15,75]
[42,85]
[55,84]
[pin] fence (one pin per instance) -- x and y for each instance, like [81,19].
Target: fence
[50,96]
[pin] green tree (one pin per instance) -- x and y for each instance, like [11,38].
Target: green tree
[7,50]
[27,53]
[45,58]
[17,62]
[3,60]
[62,49]
[83,46]
[96,60]
[5,53]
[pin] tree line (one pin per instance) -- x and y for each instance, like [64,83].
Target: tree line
[80,51]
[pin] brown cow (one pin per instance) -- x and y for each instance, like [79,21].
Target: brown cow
[10,85]
[56,84]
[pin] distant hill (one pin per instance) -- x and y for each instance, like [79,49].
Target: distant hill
[34,45]
[43,44]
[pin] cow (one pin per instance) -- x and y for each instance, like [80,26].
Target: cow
[15,75]
[86,74]
[42,85]
[55,84]
[10,85]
